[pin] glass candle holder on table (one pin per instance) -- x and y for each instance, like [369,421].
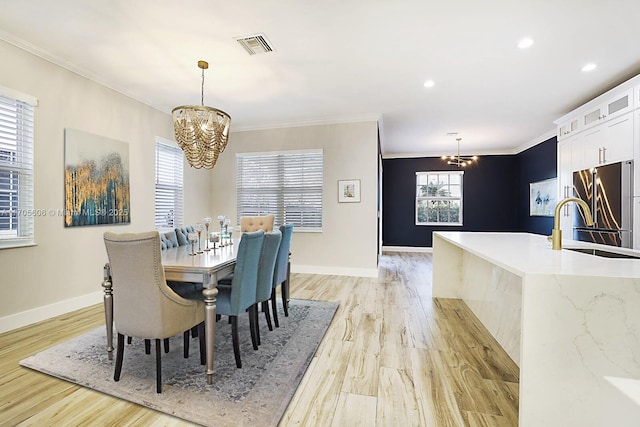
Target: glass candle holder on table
[192,237]
[221,220]
[199,228]
[214,238]
[207,221]
[227,222]
[229,233]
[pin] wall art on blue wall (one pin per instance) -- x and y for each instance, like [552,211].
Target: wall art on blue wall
[543,197]
[96,180]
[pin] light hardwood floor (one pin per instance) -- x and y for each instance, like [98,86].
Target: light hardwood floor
[393,356]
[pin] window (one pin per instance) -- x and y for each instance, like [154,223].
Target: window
[169,188]
[286,184]
[439,198]
[16,169]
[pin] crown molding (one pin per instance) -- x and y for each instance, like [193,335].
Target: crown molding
[43,54]
[535,141]
[313,122]
[504,152]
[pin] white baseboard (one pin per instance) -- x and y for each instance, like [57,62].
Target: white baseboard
[24,318]
[38,314]
[406,249]
[334,271]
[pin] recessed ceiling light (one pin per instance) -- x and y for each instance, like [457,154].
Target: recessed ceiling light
[589,67]
[429,83]
[525,43]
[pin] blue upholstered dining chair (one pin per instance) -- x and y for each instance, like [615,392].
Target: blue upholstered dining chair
[266,268]
[281,273]
[182,234]
[144,306]
[169,239]
[236,299]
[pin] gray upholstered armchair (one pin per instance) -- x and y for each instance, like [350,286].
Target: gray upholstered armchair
[144,306]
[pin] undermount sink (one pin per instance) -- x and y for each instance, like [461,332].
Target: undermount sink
[603,253]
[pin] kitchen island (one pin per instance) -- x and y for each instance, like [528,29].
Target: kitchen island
[570,320]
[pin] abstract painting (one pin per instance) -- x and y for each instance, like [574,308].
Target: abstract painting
[96,180]
[542,197]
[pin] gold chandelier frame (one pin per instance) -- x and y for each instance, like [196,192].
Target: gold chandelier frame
[458,160]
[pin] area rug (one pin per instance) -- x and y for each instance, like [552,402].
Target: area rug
[256,394]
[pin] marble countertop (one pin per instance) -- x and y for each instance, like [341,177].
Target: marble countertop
[523,253]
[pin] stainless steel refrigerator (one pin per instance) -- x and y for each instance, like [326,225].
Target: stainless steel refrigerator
[608,190]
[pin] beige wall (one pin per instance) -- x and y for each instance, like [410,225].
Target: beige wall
[347,244]
[64,270]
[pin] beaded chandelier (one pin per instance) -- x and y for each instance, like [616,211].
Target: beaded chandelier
[201,132]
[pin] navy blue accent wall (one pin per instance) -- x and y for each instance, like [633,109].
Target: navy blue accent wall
[535,164]
[489,198]
[496,195]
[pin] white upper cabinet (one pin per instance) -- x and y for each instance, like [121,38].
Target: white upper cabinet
[609,109]
[598,112]
[569,127]
[602,130]
[636,96]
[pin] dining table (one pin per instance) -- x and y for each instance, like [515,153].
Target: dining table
[186,264]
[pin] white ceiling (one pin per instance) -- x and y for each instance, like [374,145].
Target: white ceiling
[349,60]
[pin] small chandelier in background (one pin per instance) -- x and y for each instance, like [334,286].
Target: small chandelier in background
[202,132]
[460,161]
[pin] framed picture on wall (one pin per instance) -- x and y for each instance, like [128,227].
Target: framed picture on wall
[96,180]
[543,197]
[349,191]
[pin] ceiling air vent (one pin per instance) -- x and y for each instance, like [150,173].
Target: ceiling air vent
[256,43]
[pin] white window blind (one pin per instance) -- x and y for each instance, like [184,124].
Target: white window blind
[16,171]
[169,186]
[285,184]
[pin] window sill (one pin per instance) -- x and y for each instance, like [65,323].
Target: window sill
[307,230]
[16,245]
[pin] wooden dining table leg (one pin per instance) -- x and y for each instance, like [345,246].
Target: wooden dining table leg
[108,308]
[209,327]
